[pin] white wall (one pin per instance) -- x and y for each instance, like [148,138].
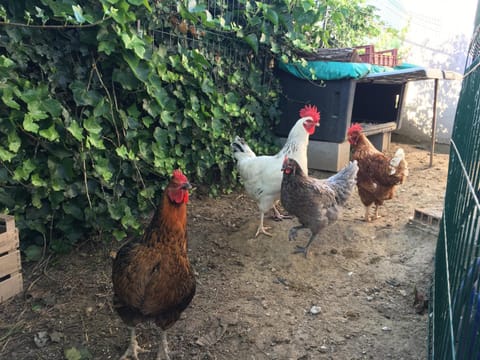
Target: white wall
[439,33]
[418,107]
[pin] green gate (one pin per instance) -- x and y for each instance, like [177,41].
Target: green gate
[455,306]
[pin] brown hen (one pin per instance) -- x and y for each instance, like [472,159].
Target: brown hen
[152,277]
[378,174]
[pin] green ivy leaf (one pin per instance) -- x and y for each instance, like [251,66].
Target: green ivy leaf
[73,209]
[124,153]
[75,130]
[252,40]
[78,13]
[119,234]
[29,124]
[33,253]
[50,133]
[133,42]
[14,141]
[7,98]
[272,16]
[140,68]
[38,181]
[95,141]
[6,155]
[92,125]
[52,106]
[24,170]
[102,166]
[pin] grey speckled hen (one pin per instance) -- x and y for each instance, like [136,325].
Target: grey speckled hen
[316,203]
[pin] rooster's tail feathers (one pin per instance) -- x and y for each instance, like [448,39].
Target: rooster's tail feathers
[240,148]
[399,156]
[398,163]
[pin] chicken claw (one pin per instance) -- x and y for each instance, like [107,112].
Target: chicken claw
[133,349]
[301,250]
[292,233]
[163,348]
[279,217]
[262,229]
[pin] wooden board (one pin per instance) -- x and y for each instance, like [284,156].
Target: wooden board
[11,287]
[9,241]
[10,263]
[7,223]
[11,281]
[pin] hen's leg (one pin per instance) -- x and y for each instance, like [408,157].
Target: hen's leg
[262,229]
[304,250]
[376,212]
[163,347]
[277,216]
[133,349]
[292,234]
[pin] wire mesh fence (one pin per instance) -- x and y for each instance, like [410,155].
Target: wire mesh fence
[214,43]
[455,306]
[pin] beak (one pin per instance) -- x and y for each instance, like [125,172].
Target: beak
[317,124]
[186,186]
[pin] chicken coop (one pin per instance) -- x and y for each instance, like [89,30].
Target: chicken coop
[347,93]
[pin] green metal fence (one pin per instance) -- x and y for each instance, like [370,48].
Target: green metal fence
[455,306]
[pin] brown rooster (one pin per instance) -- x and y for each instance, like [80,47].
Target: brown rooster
[316,203]
[378,174]
[152,277]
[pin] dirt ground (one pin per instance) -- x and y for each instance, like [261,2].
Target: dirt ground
[352,298]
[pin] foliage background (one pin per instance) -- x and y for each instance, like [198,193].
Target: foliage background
[101,100]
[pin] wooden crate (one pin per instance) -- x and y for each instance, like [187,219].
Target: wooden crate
[11,282]
[368,54]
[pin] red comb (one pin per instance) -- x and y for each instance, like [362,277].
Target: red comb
[310,110]
[356,127]
[178,176]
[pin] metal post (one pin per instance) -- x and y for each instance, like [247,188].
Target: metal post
[434,121]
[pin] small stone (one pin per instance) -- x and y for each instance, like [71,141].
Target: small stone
[369,298]
[323,349]
[41,339]
[386,328]
[314,310]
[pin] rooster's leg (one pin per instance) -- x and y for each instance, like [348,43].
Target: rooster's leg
[163,347]
[292,234]
[367,213]
[277,216]
[133,348]
[262,229]
[304,250]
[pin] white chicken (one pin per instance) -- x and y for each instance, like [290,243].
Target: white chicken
[262,176]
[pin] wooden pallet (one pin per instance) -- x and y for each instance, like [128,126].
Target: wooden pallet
[11,282]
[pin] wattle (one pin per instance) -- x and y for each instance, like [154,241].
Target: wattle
[179,196]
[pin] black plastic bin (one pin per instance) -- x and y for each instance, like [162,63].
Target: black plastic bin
[333,98]
[341,102]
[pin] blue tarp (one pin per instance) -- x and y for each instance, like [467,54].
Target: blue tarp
[333,70]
